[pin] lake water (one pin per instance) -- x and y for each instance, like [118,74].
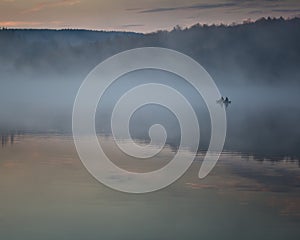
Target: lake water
[46,193]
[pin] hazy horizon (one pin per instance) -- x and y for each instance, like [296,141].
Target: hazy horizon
[138,16]
[171,28]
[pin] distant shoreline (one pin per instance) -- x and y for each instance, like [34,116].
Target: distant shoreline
[177,27]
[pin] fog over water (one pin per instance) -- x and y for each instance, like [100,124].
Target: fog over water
[261,119]
[256,65]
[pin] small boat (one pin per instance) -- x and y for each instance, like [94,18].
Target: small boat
[223,100]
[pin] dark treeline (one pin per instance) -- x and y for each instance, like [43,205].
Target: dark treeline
[267,50]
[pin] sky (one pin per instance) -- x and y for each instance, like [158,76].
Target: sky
[138,15]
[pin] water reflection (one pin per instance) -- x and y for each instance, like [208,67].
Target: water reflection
[7,139]
[46,191]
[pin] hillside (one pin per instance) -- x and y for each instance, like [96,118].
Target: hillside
[264,51]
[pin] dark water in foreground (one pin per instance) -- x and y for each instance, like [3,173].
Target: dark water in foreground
[46,193]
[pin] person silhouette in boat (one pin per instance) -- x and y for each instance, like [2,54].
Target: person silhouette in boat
[225,101]
[221,100]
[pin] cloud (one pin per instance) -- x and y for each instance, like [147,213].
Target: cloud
[19,23]
[256,12]
[161,9]
[131,25]
[133,9]
[286,10]
[196,6]
[46,5]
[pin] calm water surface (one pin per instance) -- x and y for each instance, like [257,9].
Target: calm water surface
[46,193]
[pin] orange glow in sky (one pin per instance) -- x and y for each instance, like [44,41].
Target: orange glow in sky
[137,15]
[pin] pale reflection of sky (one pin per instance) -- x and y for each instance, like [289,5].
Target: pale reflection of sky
[46,191]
